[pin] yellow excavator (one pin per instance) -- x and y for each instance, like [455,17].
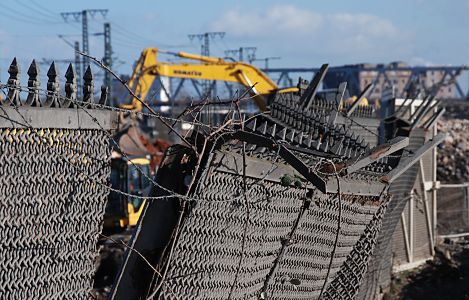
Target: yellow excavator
[129,175]
[207,68]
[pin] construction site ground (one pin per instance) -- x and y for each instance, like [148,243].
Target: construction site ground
[444,277]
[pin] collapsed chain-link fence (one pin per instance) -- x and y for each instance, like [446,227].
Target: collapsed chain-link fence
[286,205]
[378,277]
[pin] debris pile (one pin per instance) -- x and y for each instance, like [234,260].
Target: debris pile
[110,259]
[453,153]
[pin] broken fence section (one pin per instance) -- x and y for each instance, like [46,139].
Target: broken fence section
[288,206]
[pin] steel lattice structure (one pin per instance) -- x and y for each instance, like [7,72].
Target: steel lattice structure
[451,76]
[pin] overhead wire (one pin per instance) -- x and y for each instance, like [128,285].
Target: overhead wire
[19,19]
[54,17]
[135,36]
[43,8]
[26,17]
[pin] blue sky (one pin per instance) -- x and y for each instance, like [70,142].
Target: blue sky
[303,33]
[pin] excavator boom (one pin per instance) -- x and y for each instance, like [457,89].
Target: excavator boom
[209,68]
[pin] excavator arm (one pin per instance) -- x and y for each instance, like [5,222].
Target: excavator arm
[208,68]
[141,80]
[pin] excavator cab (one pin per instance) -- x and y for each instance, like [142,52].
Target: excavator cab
[130,180]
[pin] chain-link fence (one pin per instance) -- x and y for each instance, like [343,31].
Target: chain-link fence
[453,209]
[54,169]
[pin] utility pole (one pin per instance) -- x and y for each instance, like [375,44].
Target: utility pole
[83,15]
[249,51]
[85,38]
[266,60]
[78,67]
[107,60]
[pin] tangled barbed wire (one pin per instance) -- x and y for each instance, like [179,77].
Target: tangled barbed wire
[233,121]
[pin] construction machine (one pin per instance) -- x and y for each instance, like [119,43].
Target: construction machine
[130,175]
[134,162]
[208,68]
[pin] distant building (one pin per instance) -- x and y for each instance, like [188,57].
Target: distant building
[397,74]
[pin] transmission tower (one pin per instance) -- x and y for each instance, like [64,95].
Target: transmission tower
[249,51]
[76,16]
[209,88]
[266,60]
[205,39]
[107,60]
[78,67]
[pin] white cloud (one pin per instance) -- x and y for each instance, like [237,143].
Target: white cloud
[290,19]
[363,24]
[279,19]
[303,33]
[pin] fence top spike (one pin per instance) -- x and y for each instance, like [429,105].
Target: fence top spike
[52,70]
[70,74]
[88,74]
[104,93]
[14,68]
[33,70]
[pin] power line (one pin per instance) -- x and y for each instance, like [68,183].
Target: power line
[21,18]
[55,17]
[27,17]
[43,8]
[129,34]
[135,37]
